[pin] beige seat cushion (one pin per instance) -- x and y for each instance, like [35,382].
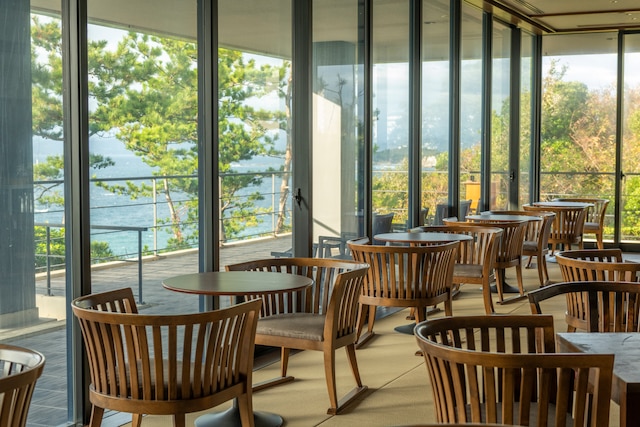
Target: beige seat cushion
[467,270]
[305,326]
[593,226]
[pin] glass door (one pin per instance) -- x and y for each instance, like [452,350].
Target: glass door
[630,144]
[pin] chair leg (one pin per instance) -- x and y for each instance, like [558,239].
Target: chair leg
[367,313]
[284,361]
[245,408]
[599,240]
[487,298]
[330,377]
[179,420]
[519,277]
[353,362]
[96,416]
[543,273]
[136,420]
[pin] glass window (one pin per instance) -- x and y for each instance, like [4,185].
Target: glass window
[471,105]
[33,298]
[143,145]
[630,192]
[435,107]
[255,151]
[526,89]
[578,130]
[338,140]
[391,114]
[500,116]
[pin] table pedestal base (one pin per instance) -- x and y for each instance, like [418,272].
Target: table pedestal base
[231,418]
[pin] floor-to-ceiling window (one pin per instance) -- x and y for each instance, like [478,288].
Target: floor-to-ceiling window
[630,143]
[500,115]
[526,91]
[390,136]
[338,125]
[578,143]
[435,106]
[255,124]
[471,77]
[33,295]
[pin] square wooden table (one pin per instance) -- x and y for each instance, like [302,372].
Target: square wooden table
[625,390]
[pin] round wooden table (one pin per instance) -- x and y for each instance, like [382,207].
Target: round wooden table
[563,204]
[421,237]
[238,284]
[496,217]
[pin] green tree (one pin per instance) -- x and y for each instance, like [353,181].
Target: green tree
[144,92]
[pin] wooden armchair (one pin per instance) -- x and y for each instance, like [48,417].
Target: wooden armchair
[488,369]
[595,306]
[594,221]
[475,258]
[20,369]
[166,364]
[404,276]
[568,226]
[597,265]
[536,241]
[325,322]
[509,253]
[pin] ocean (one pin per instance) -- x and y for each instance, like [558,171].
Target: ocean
[109,209]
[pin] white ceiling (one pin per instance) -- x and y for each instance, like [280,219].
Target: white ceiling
[577,15]
[264,25]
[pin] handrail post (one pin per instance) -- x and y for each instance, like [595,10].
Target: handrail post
[140,300]
[273,204]
[48,259]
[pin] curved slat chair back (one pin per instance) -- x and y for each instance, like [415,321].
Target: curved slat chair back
[476,257]
[509,252]
[487,369]
[404,276]
[20,369]
[536,241]
[597,265]
[315,299]
[568,226]
[167,364]
[594,220]
[597,306]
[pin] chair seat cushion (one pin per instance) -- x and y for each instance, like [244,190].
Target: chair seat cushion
[305,326]
[467,270]
[591,226]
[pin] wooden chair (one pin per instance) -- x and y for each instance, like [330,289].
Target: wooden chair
[326,321]
[595,306]
[509,253]
[20,369]
[476,257]
[568,226]
[382,224]
[166,364]
[597,265]
[536,241]
[488,369]
[592,265]
[404,276]
[594,221]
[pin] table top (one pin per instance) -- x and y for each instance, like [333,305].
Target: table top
[625,346]
[236,283]
[565,204]
[421,237]
[502,217]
